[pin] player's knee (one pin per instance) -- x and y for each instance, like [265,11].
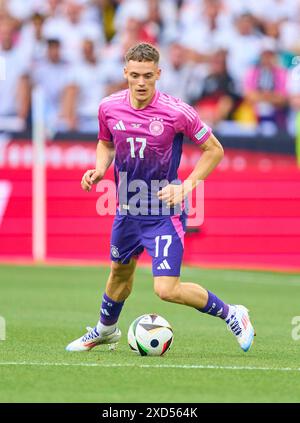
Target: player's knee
[165,293]
[167,288]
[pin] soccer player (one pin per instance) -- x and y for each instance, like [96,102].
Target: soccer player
[142,130]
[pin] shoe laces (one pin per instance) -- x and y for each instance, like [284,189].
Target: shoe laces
[91,334]
[234,326]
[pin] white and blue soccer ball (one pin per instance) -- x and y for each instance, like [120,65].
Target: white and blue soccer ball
[150,334]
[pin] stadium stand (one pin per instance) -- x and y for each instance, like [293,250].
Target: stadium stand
[199,40]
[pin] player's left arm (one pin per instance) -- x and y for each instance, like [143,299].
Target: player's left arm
[212,154]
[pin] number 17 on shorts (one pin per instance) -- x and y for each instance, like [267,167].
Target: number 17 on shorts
[167,258]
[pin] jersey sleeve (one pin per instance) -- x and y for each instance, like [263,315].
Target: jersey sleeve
[104,133]
[189,123]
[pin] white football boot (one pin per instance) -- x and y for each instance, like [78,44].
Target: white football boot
[92,338]
[239,324]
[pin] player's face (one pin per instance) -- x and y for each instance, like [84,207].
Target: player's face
[141,77]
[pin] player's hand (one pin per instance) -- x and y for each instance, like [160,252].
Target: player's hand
[91,176]
[172,194]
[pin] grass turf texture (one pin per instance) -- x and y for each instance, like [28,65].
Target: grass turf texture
[47,307]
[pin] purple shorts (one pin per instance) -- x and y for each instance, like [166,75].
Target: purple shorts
[163,238]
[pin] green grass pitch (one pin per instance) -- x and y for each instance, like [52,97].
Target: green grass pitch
[47,307]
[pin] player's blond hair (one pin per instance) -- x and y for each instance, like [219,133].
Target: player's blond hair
[142,52]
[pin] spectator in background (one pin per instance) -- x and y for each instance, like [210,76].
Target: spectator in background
[85,91]
[158,18]
[218,97]
[140,31]
[277,11]
[243,46]
[20,9]
[15,88]
[239,7]
[206,31]
[32,41]
[113,63]
[266,86]
[71,28]
[107,10]
[53,75]
[130,31]
[293,87]
[152,28]
[203,26]
[161,22]
[141,17]
[54,9]
[276,18]
[132,21]
[179,77]
[130,9]
[194,12]
[289,37]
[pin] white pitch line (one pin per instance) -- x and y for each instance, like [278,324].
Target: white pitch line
[153,366]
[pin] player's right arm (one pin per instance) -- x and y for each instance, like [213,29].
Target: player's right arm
[105,154]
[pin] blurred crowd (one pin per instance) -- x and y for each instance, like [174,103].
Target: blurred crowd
[235,61]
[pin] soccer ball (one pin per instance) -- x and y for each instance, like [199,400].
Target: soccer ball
[150,334]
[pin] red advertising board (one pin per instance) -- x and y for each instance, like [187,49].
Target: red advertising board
[251,208]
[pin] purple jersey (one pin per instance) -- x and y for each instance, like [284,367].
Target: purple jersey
[148,144]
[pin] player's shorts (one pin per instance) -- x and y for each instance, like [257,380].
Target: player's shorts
[162,237]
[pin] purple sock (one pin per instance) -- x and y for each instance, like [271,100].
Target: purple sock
[215,307]
[110,311]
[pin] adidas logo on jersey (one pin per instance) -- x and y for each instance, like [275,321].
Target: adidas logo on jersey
[120,126]
[164,265]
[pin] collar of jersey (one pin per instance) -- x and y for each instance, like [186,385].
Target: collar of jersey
[153,101]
